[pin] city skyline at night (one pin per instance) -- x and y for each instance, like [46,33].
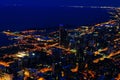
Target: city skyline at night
[59,40]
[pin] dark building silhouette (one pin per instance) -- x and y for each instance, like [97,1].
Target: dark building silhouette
[63,37]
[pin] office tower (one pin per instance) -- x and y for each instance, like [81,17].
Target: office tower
[63,37]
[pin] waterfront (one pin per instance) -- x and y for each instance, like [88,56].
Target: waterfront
[60,43]
[81,53]
[20,18]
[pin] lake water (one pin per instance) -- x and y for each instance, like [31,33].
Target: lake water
[21,18]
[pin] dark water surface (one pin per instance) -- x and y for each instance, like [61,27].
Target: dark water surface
[21,18]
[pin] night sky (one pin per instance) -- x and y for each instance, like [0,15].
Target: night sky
[60,2]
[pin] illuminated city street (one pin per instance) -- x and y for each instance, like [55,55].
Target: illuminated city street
[64,52]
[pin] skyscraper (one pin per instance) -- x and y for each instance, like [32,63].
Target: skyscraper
[63,37]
